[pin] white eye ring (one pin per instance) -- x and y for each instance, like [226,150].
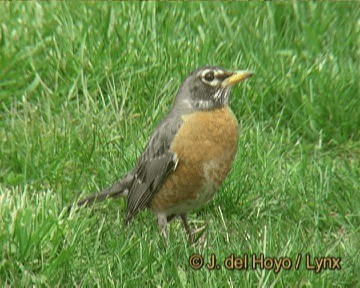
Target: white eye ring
[209,76]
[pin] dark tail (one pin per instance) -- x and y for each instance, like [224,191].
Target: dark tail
[111,192]
[119,189]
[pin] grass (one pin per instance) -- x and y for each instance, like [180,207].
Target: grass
[81,87]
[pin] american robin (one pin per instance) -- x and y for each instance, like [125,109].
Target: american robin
[189,153]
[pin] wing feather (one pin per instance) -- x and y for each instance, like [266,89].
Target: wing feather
[153,166]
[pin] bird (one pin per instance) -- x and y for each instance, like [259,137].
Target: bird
[188,155]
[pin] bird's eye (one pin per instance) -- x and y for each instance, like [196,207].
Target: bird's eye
[209,76]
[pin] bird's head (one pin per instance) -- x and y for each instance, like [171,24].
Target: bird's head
[208,88]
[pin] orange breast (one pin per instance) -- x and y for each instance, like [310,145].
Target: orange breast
[206,146]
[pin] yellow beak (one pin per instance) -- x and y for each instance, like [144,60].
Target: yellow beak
[237,77]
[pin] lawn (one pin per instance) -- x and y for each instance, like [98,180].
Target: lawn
[82,85]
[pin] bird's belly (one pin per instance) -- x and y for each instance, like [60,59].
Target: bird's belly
[206,146]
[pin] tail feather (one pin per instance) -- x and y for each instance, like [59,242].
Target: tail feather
[119,189]
[111,192]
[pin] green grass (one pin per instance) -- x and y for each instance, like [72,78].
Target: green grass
[82,86]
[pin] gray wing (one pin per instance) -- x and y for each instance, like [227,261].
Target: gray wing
[153,166]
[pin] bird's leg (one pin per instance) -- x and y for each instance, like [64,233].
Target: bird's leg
[162,223]
[186,226]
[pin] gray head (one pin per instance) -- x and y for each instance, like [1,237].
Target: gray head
[207,88]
